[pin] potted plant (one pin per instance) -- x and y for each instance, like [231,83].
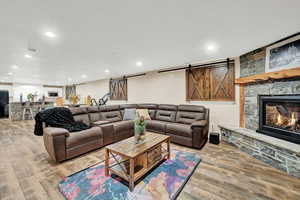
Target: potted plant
[139,129]
[30,97]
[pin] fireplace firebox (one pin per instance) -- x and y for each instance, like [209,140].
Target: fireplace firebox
[279,116]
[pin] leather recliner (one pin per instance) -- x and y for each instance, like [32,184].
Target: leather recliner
[186,125]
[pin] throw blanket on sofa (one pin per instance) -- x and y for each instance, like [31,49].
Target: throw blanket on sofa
[57,117]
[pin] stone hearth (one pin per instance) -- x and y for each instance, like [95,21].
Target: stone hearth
[278,153]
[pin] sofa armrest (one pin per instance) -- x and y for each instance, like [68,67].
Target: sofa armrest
[55,142]
[200,123]
[52,131]
[200,131]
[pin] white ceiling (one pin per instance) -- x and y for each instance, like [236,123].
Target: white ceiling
[96,35]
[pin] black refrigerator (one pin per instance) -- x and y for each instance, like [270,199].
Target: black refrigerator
[4,101]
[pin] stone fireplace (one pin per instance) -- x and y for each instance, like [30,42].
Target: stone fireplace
[269,128]
[272,126]
[279,116]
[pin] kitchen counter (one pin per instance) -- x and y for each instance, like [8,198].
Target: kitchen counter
[16,109]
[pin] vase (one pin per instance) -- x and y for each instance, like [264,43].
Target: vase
[139,133]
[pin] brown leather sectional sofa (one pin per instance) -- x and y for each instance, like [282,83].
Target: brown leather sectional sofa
[186,124]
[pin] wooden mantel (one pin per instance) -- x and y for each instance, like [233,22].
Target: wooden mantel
[283,74]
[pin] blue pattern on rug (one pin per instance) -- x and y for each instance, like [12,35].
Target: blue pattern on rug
[164,182]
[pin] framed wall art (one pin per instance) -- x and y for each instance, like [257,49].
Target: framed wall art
[283,55]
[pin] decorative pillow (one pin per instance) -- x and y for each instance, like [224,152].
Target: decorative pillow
[129,114]
[144,112]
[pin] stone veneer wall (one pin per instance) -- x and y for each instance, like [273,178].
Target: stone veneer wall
[253,63]
[275,156]
[275,88]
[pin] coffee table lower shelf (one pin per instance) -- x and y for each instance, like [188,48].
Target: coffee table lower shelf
[132,168]
[139,171]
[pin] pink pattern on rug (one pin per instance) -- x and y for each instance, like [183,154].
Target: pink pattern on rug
[98,178]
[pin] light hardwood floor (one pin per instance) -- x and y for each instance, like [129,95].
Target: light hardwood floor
[26,172]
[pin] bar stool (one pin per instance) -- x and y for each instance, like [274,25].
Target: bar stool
[41,106]
[27,108]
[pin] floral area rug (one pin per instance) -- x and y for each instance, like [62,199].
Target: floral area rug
[164,182]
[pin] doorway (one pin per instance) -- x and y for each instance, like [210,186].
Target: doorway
[4,103]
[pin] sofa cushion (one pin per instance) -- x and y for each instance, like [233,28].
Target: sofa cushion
[187,141]
[192,108]
[151,109]
[166,112]
[94,113]
[93,109]
[78,110]
[83,137]
[94,117]
[97,123]
[165,115]
[123,125]
[82,118]
[107,108]
[129,114]
[143,113]
[156,126]
[179,129]
[187,114]
[108,132]
[167,107]
[112,116]
[188,117]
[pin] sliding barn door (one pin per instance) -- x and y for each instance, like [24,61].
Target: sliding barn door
[222,83]
[118,89]
[197,84]
[215,83]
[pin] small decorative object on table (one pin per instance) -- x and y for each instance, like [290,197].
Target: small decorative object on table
[139,129]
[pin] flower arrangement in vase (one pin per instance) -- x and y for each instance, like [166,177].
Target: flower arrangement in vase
[139,129]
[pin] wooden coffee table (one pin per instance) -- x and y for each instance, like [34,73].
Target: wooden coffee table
[132,161]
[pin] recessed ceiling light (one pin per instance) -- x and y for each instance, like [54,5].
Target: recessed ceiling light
[28,56]
[83,76]
[139,63]
[211,47]
[50,34]
[107,71]
[15,67]
[9,73]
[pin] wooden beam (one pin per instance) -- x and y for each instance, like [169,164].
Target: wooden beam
[283,74]
[242,104]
